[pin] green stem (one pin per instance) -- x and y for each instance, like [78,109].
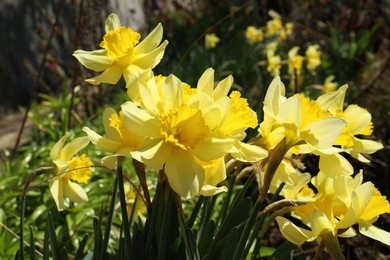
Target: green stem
[122,198]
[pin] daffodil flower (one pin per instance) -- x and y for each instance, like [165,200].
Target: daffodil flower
[119,140]
[313,57]
[300,120]
[211,40]
[122,53]
[253,35]
[184,127]
[358,124]
[70,169]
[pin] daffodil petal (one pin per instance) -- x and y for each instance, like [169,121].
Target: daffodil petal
[55,152]
[247,152]
[358,118]
[209,190]
[112,23]
[111,76]
[151,41]
[206,83]
[213,148]
[223,88]
[173,93]
[369,230]
[154,152]
[73,147]
[291,232]
[185,176]
[140,121]
[274,97]
[320,223]
[111,132]
[57,193]
[151,59]
[323,133]
[74,192]
[96,60]
[333,100]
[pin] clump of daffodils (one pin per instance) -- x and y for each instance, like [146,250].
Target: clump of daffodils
[186,133]
[339,200]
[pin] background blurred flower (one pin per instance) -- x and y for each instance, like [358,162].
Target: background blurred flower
[69,168]
[211,40]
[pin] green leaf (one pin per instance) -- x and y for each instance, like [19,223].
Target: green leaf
[80,251]
[283,251]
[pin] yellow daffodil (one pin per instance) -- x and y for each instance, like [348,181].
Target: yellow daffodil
[298,119]
[273,27]
[253,35]
[119,140]
[289,27]
[358,124]
[122,53]
[211,40]
[185,127]
[70,169]
[313,57]
[294,61]
[329,85]
[274,63]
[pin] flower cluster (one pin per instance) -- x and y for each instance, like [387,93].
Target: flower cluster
[322,127]
[184,132]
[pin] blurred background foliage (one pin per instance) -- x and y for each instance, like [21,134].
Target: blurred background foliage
[354,42]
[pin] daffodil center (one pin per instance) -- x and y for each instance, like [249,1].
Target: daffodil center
[79,169]
[119,44]
[128,138]
[183,127]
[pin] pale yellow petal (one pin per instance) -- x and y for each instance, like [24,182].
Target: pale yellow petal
[74,192]
[62,167]
[185,176]
[358,119]
[112,23]
[292,233]
[173,93]
[371,231]
[333,100]
[56,191]
[103,143]
[323,133]
[111,132]
[150,42]
[366,146]
[55,152]
[320,224]
[74,147]
[140,121]
[110,76]
[96,60]
[223,88]
[274,97]
[206,83]
[334,165]
[247,152]
[213,148]
[154,153]
[151,59]
[209,190]
[290,111]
